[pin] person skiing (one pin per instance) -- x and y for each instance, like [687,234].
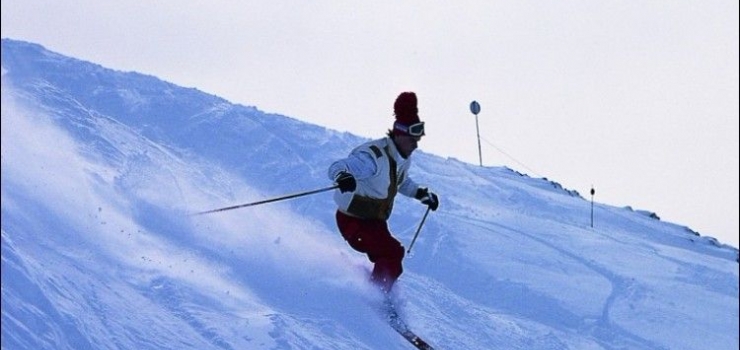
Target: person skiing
[368,181]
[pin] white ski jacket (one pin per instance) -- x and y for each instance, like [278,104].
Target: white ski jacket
[380,172]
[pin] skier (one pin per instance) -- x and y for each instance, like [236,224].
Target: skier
[368,180]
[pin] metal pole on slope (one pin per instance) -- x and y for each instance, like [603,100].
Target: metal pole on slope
[592,205]
[266,200]
[418,230]
[475,109]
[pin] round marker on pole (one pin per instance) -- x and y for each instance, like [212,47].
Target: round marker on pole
[475,109]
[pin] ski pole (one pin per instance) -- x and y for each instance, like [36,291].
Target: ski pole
[267,200]
[408,251]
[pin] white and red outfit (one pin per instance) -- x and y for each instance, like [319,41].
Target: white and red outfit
[368,181]
[381,172]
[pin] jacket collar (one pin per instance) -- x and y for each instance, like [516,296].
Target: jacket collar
[394,151]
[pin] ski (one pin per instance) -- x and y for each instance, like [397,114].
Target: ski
[415,340]
[400,326]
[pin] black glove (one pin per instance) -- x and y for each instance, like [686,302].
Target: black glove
[346,182]
[428,198]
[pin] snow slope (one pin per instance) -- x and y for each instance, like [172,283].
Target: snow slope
[100,169]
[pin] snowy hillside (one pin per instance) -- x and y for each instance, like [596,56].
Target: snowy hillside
[100,169]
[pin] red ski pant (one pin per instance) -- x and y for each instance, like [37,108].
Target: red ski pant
[373,238]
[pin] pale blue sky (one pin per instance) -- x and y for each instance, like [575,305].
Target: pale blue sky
[639,99]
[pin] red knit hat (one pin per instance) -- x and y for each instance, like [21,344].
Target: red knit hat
[406,112]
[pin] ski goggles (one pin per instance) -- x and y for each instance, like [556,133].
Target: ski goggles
[415,130]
